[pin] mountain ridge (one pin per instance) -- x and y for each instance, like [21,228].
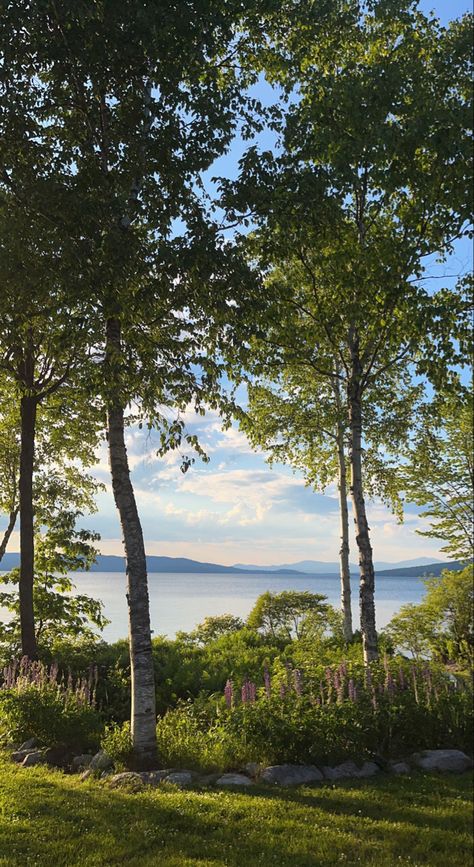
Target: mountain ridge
[155,564]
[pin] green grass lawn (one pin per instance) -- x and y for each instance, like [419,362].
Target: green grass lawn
[47,818]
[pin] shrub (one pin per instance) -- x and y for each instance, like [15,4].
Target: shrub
[35,701]
[117,743]
[394,709]
[185,738]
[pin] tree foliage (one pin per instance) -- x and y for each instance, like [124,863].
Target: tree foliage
[439,475]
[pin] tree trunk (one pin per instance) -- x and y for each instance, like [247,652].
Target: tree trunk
[366,564]
[143,713]
[6,536]
[27,545]
[344,519]
[344,549]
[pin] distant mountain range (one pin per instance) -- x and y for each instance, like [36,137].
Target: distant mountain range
[111,563]
[315,567]
[418,567]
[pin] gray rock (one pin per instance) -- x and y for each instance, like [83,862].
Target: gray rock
[34,758]
[208,779]
[344,771]
[19,755]
[153,778]
[179,778]
[234,780]
[58,757]
[29,745]
[82,761]
[128,780]
[368,769]
[399,767]
[101,762]
[291,775]
[442,760]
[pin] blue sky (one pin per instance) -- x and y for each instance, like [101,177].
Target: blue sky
[237,509]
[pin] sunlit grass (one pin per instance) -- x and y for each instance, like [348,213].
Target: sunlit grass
[48,818]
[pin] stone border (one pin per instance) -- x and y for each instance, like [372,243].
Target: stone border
[101,766]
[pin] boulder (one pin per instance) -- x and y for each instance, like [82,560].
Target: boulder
[207,779]
[37,757]
[349,770]
[442,760]
[153,778]
[19,755]
[234,780]
[399,767]
[252,769]
[344,771]
[290,775]
[82,761]
[368,769]
[179,778]
[101,761]
[58,757]
[30,744]
[128,780]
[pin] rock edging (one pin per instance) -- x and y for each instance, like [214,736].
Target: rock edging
[101,766]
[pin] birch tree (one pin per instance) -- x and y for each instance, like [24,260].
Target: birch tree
[140,99]
[372,175]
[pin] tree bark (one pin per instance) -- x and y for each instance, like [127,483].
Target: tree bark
[6,536]
[344,549]
[27,544]
[366,564]
[143,713]
[344,567]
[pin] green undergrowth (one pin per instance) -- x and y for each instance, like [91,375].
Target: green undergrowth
[47,818]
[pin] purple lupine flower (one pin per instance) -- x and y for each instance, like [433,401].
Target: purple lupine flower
[248,691]
[352,692]
[282,690]
[229,693]
[298,679]
[267,681]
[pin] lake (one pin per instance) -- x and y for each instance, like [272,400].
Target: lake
[180,601]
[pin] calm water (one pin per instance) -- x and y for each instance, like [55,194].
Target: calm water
[181,601]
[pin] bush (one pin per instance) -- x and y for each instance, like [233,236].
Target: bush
[117,743]
[36,702]
[186,739]
[395,709]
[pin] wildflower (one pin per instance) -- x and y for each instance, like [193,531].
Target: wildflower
[248,691]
